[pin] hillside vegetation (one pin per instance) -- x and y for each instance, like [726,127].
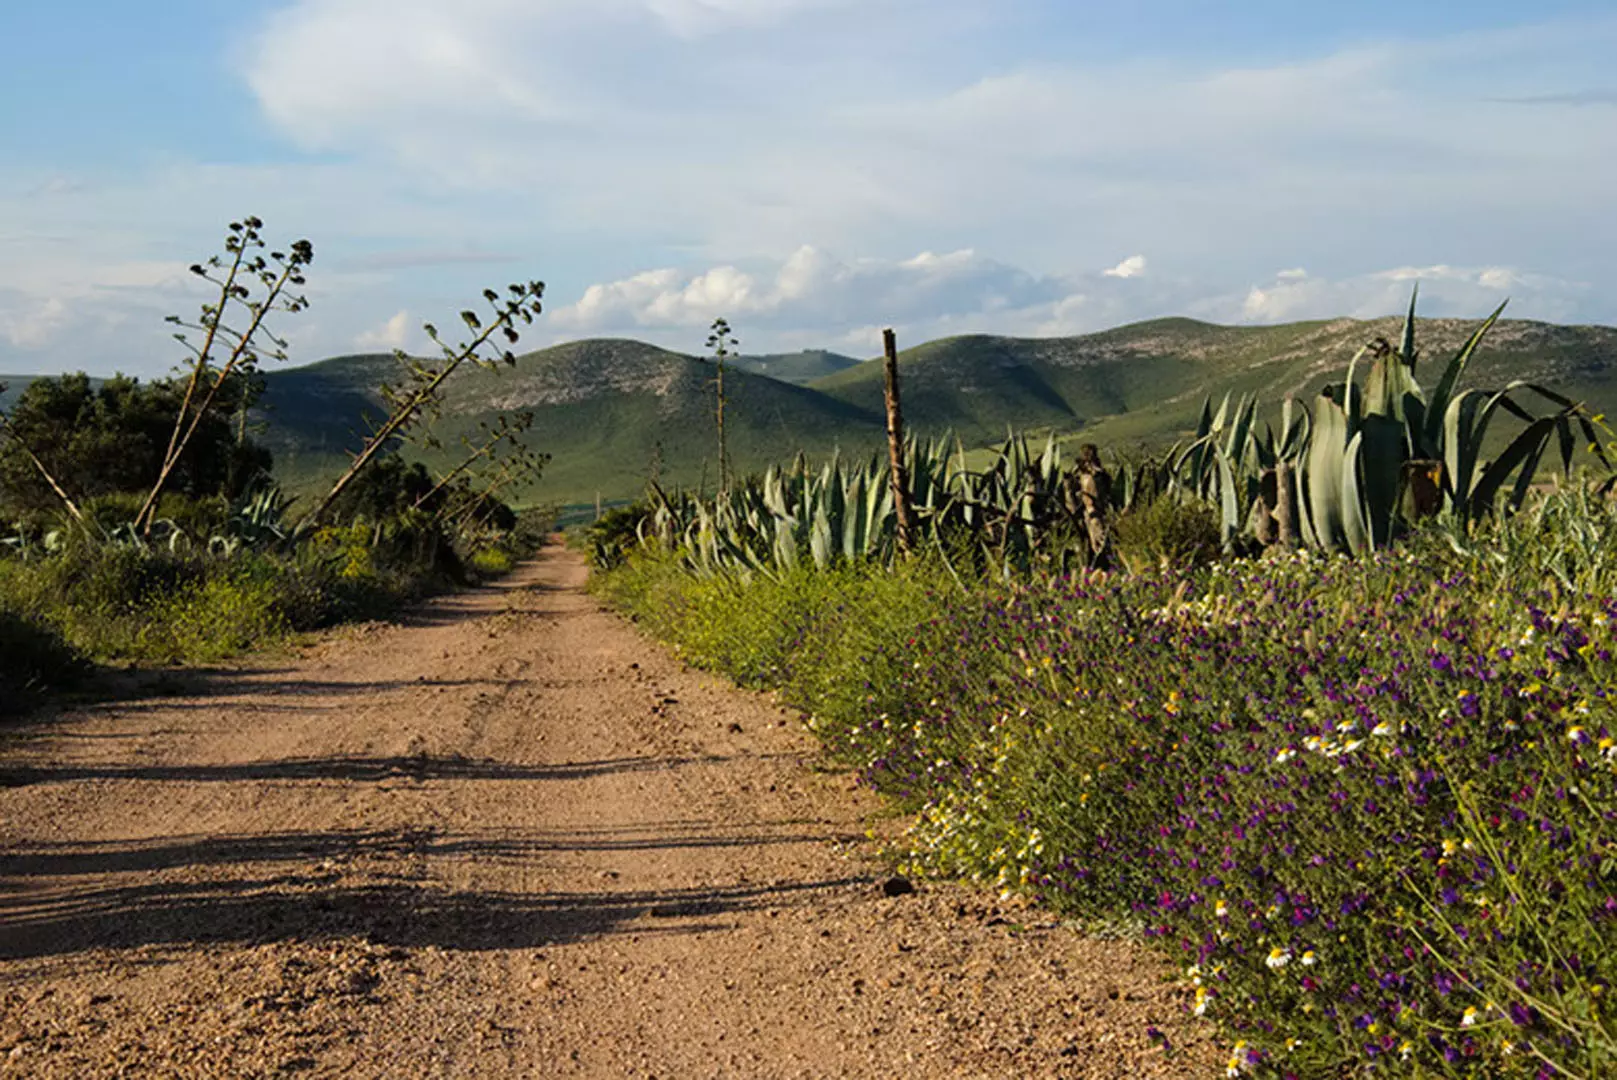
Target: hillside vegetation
[799,367]
[614,412]
[611,412]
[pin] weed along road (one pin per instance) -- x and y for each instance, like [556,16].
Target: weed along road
[508,836]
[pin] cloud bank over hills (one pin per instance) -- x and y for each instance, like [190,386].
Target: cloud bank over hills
[1021,166]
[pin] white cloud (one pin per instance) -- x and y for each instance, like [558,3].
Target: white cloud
[811,289]
[696,17]
[605,117]
[1444,290]
[815,299]
[1133,266]
[33,324]
[394,334]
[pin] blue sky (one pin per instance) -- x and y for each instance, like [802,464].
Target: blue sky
[810,169]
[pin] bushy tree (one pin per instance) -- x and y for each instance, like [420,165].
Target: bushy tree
[112,438]
[387,491]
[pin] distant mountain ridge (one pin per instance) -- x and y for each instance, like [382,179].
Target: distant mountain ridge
[616,412]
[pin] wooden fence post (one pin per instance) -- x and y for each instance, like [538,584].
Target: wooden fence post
[895,449]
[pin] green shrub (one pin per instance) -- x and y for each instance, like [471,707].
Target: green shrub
[611,537]
[826,639]
[491,562]
[1167,533]
[213,619]
[125,603]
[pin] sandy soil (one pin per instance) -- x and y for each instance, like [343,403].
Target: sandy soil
[508,837]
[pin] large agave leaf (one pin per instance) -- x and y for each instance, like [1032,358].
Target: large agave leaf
[1406,346]
[1389,386]
[1415,428]
[1204,424]
[785,544]
[774,492]
[1529,468]
[1235,447]
[1352,397]
[1524,451]
[1443,395]
[1229,508]
[1050,460]
[1355,513]
[1305,509]
[1295,428]
[1327,461]
[1265,447]
[820,539]
[1380,472]
[1460,447]
[856,521]
[1572,412]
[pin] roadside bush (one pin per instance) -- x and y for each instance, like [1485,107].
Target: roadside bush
[611,537]
[491,562]
[127,604]
[219,616]
[1167,532]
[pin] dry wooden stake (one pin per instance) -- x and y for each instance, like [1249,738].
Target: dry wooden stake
[895,448]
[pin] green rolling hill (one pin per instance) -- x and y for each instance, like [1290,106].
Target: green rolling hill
[613,411]
[1145,383]
[608,411]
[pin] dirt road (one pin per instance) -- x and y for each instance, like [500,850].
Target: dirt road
[507,837]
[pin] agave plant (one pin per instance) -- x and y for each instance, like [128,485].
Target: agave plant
[257,520]
[1386,454]
[1368,459]
[1347,475]
[1250,474]
[163,533]
[1017,510]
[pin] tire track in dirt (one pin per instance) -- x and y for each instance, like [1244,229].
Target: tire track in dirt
[507,837]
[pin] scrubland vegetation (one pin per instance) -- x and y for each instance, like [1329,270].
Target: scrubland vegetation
[145,527]
[1325,713]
